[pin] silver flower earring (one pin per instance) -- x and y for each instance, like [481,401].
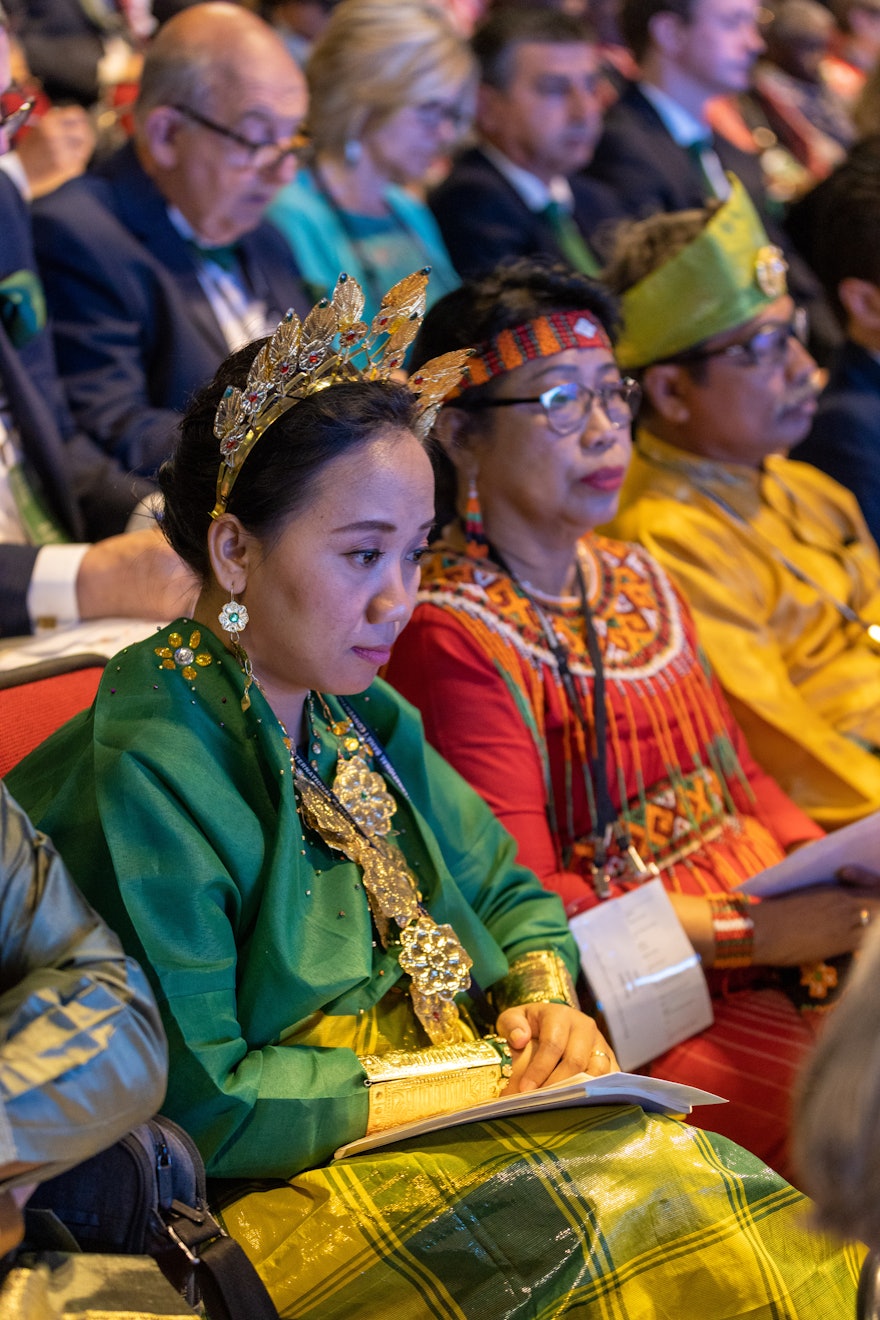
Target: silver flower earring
[234,616]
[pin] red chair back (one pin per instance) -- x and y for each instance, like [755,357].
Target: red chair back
[32,707]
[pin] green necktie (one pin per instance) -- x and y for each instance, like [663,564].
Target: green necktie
[695,151]
[22,306]
[226,256]
[570,239]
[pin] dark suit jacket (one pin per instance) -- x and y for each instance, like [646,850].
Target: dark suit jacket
[845,437]
[89,493]
[134,333]
[483,219]
[649,171]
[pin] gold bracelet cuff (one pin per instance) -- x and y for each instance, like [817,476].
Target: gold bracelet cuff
[540,976]
[406,1086]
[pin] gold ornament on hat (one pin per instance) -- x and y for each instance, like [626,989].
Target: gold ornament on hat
[770,270]
[332,345]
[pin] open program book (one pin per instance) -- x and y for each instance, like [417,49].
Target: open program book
[616,1089]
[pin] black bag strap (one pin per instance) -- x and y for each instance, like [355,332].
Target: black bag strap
[230,1286]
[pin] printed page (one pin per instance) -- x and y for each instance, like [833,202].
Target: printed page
[642,968]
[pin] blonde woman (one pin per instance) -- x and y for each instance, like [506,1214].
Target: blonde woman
[391,89]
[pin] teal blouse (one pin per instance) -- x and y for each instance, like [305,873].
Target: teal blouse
[176,814]
[324,245]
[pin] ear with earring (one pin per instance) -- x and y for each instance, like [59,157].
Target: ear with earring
[476,545]
[352,151]
[234,618]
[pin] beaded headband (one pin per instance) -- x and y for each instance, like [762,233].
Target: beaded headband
[304,357]
[541,338]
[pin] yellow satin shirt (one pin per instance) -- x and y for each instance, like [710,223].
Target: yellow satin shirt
[803,681]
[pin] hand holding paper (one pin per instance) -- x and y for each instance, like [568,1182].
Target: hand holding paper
[550,1043]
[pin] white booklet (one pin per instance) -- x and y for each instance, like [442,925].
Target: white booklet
[815,864]
[644,972]
[652,1093]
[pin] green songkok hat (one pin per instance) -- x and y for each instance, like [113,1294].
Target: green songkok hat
[726,276]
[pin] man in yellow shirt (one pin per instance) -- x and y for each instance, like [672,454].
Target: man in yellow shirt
[773,555]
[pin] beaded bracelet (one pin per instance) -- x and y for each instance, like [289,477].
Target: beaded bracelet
[733,929]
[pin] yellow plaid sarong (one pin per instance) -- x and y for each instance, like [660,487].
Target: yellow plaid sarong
[608,1213]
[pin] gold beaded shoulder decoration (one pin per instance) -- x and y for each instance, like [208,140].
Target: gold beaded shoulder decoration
[332,345]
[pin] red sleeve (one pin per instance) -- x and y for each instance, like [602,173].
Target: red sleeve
[471,718]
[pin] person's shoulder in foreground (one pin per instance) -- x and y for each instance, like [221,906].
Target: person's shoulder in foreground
[82,1053]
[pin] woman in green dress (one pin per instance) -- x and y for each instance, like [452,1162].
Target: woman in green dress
[335,925]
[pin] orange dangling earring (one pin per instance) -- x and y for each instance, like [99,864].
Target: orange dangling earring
[476,545]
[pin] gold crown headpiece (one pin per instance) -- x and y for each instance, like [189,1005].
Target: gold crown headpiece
[303,357]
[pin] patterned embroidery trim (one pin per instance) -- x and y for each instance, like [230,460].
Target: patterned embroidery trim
[485,596]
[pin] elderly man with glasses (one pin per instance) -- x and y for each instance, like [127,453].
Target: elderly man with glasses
[160,262]
[773,556]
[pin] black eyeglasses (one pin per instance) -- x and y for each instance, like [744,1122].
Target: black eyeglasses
[766,346]
[15,111]
[568,406]
[259,156]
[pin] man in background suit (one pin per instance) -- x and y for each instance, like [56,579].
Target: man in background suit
[518,192]
[57,488]
[657,150]
[160,264]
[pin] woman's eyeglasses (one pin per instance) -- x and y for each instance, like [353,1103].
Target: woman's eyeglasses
[258,156]
[433,114]
[567,407]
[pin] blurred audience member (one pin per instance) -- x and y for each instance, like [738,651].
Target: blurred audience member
[857,47]
[56,485]
[836,1119]
[51,149]
[391,89]
[80,52]
[773,556]
[866,110]
[160,263]
[657,149]
[299,23]
[845,437]
[518,191]
[807,117]
[82,1052]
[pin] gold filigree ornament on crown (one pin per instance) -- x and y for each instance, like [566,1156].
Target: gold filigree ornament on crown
[332,345]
